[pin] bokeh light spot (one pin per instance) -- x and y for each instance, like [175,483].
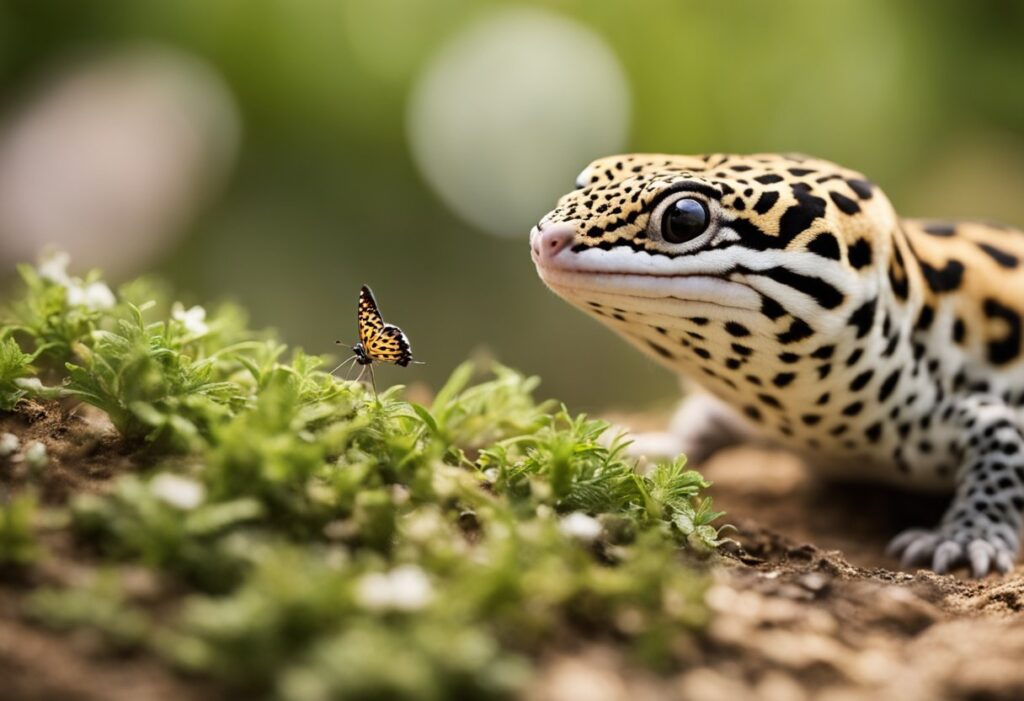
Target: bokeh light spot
[505,116]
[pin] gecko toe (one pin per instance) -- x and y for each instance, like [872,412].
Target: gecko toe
[900,543]
[920,550]
[947,556]
[980,553]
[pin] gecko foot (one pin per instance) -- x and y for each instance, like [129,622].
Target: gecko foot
[984,547]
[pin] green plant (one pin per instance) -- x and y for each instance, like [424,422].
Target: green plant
[323,542]
[14,366]
[18,545]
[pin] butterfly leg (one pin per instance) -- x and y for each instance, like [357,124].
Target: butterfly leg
[346,360]
[373,382]
[348,373]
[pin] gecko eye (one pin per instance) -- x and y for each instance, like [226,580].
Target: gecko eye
[684,219]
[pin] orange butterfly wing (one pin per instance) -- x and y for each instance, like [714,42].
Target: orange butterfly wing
[368,316]
[389,345]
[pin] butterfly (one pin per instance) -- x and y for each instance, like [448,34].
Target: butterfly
[379,342]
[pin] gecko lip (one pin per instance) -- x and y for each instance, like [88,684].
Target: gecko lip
[687,287]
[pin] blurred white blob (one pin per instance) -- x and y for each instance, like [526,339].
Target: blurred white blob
[9,444]
[111,156]
[193,318]
[405,588]
[580,526]
[180,492]
[510,111]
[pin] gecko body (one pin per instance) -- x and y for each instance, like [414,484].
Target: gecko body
[788,288]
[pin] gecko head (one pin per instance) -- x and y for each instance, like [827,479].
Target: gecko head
[777,247]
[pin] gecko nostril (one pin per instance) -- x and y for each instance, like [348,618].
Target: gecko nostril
[554,238]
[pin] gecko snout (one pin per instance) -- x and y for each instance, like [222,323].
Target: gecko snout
[549,240]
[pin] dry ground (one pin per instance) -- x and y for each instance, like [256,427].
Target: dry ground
[809,607]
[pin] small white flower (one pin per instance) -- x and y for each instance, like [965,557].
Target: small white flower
[180,492]
[35,455]
[194,319]
[53,266]
[580,526]
[95,295]
[405,588]
[9,444]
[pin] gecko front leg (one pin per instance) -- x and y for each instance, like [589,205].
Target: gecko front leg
[701,426]
[982,526]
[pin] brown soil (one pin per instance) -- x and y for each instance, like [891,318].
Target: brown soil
[37,664]
[806,604]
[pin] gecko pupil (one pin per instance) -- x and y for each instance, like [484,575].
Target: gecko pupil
[685,219]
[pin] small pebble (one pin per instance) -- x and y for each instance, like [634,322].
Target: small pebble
[9,444]
[814,581]
[35,456]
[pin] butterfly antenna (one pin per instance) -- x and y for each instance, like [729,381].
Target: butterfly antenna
[342,343]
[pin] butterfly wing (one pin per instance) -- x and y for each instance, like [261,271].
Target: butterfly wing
[370,322]
[389,345]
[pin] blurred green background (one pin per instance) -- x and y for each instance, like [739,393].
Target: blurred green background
[305,147]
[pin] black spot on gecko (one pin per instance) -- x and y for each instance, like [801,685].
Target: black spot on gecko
[874,431]
[863,317]
[736,329]
[959,330]
[1007,348]
[860,254]
[861,380]
[825,245]
[942,280]
[861,187]
[939,229]
[798,217]
[798,330]
[1004,259]
[822,292]
[925,318]
[853,408]
[845,204]
[771,309]
[783,378]
[765,202]
[663,352]
[888,385]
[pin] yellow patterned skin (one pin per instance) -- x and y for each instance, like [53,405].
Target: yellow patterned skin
[787,286]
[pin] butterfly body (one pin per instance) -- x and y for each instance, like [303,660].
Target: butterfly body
[361,357]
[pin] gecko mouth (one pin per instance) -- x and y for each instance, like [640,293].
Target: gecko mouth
[698,287]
